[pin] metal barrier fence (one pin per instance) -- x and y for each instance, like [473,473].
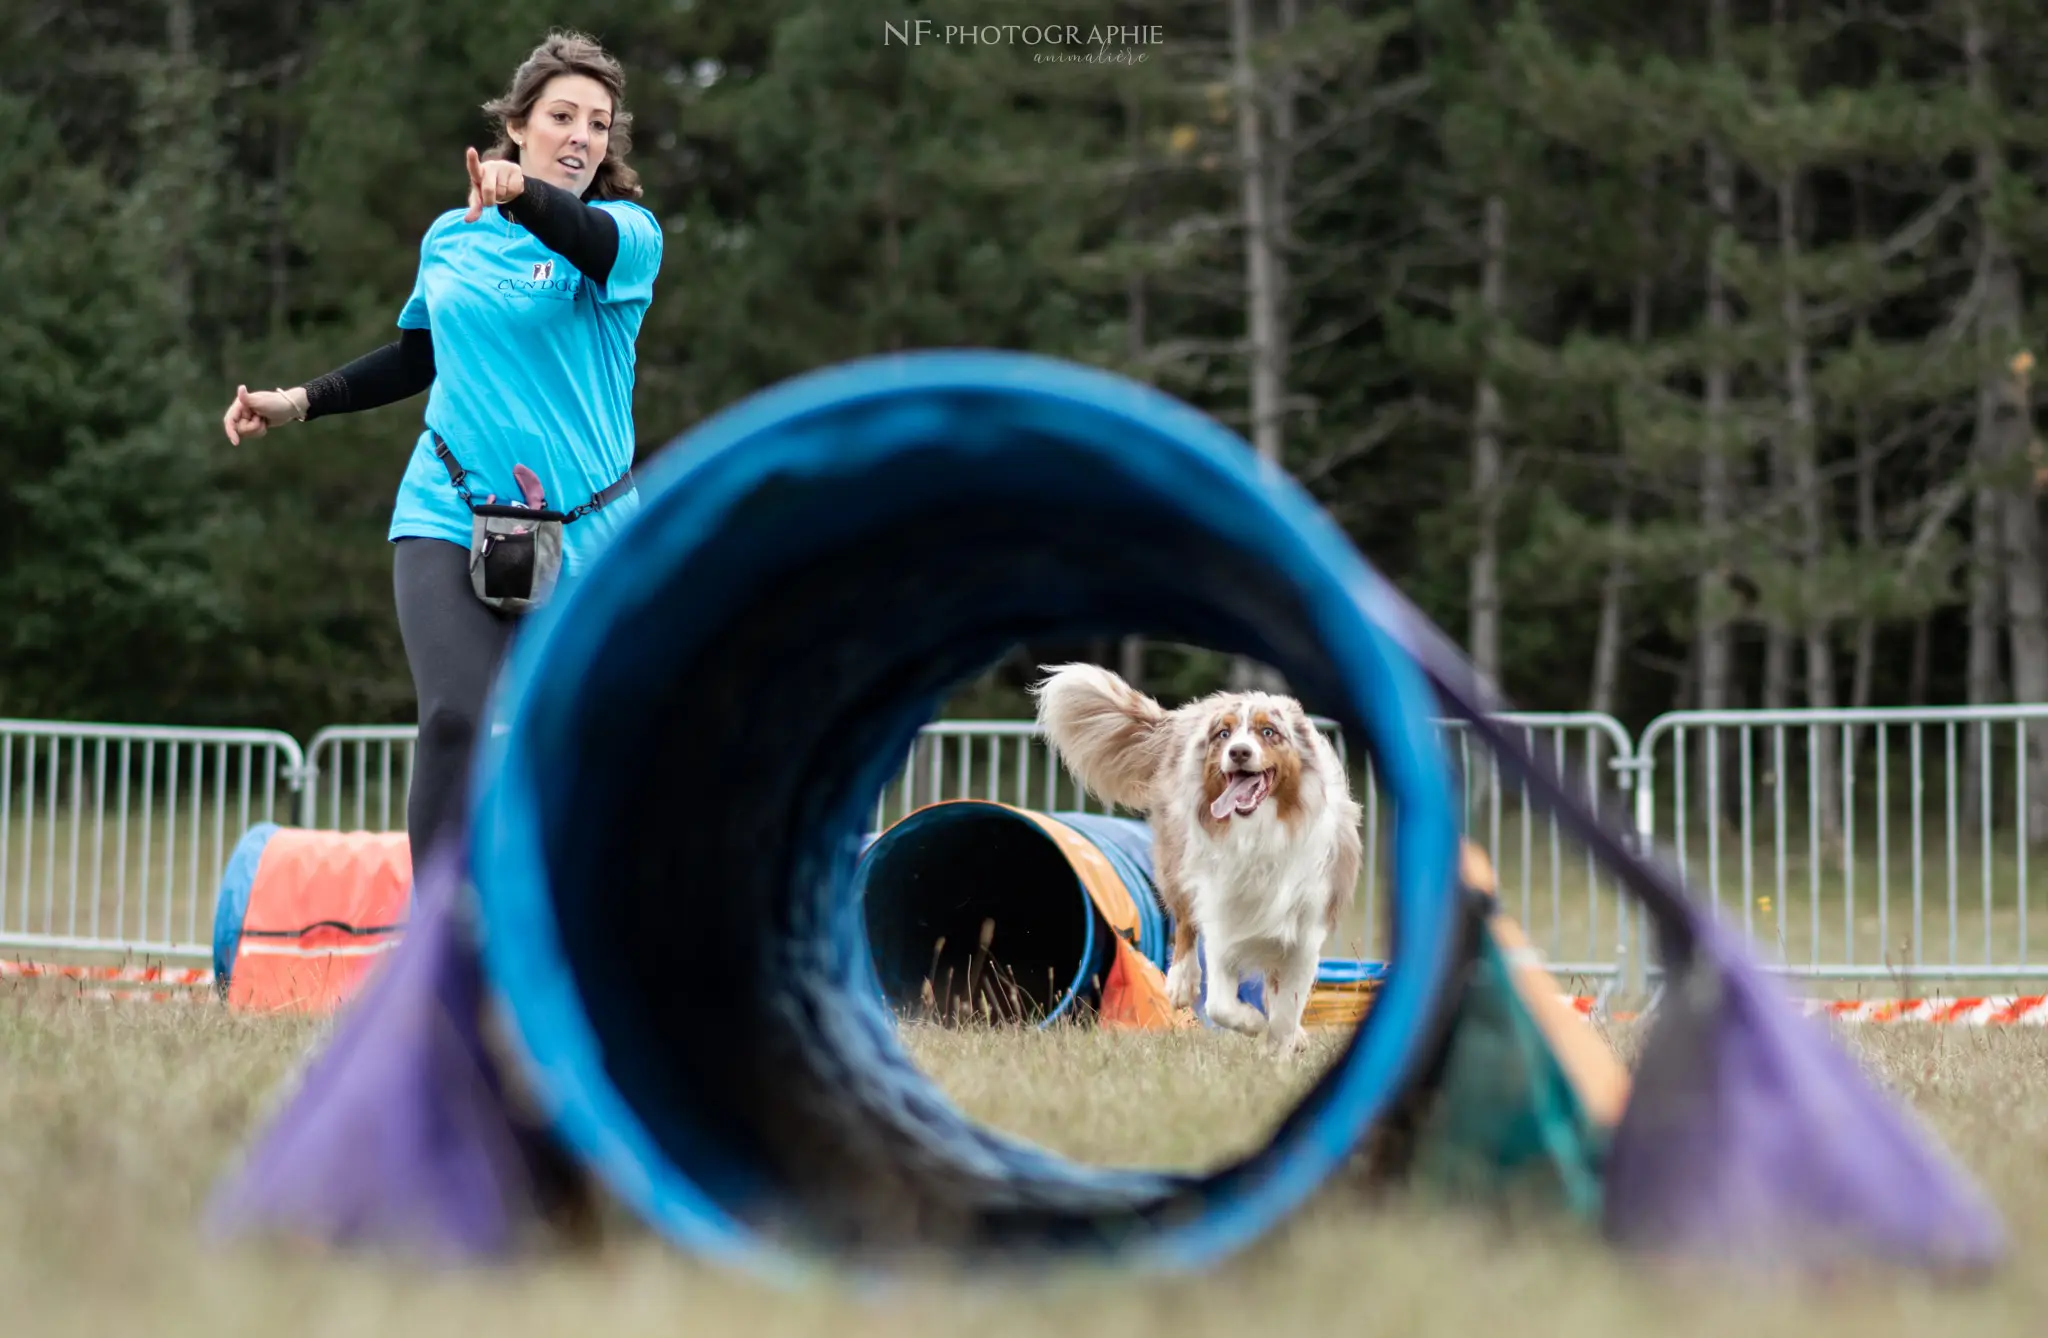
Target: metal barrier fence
[1836,807]
[1571,907]
[357,778]
[358,775]
[1845,844]
[115,837]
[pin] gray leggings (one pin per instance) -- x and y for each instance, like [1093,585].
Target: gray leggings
[453,643]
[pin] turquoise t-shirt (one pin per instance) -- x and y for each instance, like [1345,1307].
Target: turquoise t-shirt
[533,365]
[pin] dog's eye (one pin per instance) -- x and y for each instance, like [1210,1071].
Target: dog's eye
[1221,734]
[1272,735]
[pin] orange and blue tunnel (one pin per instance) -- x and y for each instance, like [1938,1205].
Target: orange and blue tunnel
[639,967]
[303,916]
[979,908]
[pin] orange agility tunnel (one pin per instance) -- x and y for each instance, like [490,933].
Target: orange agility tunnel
[304,915]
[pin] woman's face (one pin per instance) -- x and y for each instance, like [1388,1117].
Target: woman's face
[567,133]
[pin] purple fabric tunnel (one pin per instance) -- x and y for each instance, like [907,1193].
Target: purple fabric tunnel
[1752,1136]
[399,1135]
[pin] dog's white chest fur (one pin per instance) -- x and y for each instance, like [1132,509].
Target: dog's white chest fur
[1263,886]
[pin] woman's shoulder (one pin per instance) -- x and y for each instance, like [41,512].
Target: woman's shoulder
[443,222]
[623,210]
[448,229]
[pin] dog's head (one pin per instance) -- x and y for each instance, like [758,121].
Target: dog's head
[1257,748]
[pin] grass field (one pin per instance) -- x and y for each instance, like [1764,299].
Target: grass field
[118,1117]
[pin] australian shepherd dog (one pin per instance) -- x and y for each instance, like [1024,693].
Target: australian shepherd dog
[1255,835]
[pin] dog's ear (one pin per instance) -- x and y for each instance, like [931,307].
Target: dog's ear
[1304,735]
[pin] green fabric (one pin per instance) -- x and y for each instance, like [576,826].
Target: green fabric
[1506,1120]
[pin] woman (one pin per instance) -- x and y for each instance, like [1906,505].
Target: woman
[522,320]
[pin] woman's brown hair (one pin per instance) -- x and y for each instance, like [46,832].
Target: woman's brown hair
[571,53]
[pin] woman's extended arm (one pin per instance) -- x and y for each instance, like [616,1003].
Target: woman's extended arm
[586,237]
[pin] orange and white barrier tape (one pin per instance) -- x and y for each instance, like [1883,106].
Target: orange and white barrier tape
[2003,1010]
[120,975]
[1999,1010]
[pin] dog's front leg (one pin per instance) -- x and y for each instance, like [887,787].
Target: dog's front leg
[1184,968]
[1225,1009]
[1287,992]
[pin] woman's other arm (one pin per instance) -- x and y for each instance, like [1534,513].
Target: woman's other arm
[399,370]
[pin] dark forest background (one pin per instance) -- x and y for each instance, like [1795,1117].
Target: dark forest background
[1670,355]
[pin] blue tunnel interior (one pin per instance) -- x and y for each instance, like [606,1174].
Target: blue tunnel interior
[664,836]
[931,890]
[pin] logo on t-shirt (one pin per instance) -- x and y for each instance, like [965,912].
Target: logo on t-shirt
[540,281]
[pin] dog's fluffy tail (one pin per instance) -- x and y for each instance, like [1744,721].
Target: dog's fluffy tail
[1111,736]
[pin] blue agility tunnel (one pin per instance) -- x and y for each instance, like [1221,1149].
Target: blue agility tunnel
[653,902]
[811,574]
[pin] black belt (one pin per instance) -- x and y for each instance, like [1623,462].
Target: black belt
[612,492]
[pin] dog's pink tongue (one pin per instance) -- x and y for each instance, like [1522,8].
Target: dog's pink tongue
[1227,801]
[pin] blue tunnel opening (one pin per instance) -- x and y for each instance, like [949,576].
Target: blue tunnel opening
[664,836]
[972,913]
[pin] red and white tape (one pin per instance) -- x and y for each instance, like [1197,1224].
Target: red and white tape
[120,975]
[1997,1010]
[2002,1010]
